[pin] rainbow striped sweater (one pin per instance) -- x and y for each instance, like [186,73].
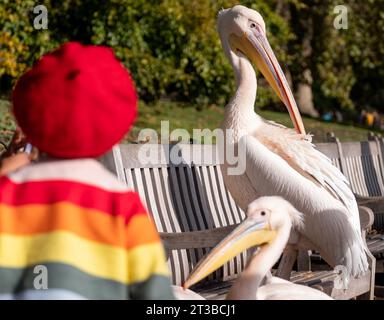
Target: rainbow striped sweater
[70,230]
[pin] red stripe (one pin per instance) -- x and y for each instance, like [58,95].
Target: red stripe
[124,204]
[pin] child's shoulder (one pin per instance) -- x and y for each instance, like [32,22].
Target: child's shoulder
[83,171]
[84,182]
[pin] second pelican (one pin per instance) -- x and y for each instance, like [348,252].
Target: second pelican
[268,225]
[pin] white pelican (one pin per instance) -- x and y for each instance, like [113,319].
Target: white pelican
[282,161]
[268,225]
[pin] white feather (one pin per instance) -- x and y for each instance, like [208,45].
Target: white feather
[280,162]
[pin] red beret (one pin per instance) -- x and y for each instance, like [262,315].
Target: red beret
[77,101]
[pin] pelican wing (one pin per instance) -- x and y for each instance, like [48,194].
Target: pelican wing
[299,152]
[280,162]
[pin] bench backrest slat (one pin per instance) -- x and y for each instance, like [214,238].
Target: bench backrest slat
[183,197]
[361,164]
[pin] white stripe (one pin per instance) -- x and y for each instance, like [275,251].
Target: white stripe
[118,163]
[49,294]
[87,171]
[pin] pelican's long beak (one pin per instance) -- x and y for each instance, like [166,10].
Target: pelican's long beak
[256,47]
[248,234]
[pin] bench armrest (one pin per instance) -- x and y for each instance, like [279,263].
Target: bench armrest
[376,204]
[195,239]
[366,217]
[364,199]
[209,238]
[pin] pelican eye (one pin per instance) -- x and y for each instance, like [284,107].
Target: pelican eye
[253,25]
[263,213]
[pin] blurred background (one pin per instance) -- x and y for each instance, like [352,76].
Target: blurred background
[174,54]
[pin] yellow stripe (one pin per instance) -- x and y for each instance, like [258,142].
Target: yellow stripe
[105,261]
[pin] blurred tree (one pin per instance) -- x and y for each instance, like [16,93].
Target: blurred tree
[173,51]
[170,46]
[366,49]
[345,65]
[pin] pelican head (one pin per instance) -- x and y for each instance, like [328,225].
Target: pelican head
[243,33]
[266,218]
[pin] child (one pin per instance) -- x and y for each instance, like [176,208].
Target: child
[68,228]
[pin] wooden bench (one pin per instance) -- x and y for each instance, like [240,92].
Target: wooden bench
[193,211]
[362,163]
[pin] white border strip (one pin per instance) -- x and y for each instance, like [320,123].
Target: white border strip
[119,164]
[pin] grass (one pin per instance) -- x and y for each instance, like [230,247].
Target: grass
[319,128]
[188,117]
[7,123]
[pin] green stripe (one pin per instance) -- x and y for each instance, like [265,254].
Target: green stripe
[62,276]
[156,288]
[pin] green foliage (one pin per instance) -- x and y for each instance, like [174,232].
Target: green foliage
[366,43]
[346,64]
[171,47]
[173,51]
[7,124]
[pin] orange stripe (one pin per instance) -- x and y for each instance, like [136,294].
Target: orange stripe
[88,223]
[141,230]
[125,204]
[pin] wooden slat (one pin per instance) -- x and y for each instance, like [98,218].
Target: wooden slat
[174,191]
[207,184]
[329,149]
[353,173]
[129,178]
[216,197]
[195,239]
[295,276]
[376,247]
[193,191]
[193,215]
[316,278]
[229,268]
[160,155]
[201,192]
[378,175]
[356,149]
[223,196]
[376,236]
[169,208]
[178,258]
[371,175]
[168,224]
[152,206]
